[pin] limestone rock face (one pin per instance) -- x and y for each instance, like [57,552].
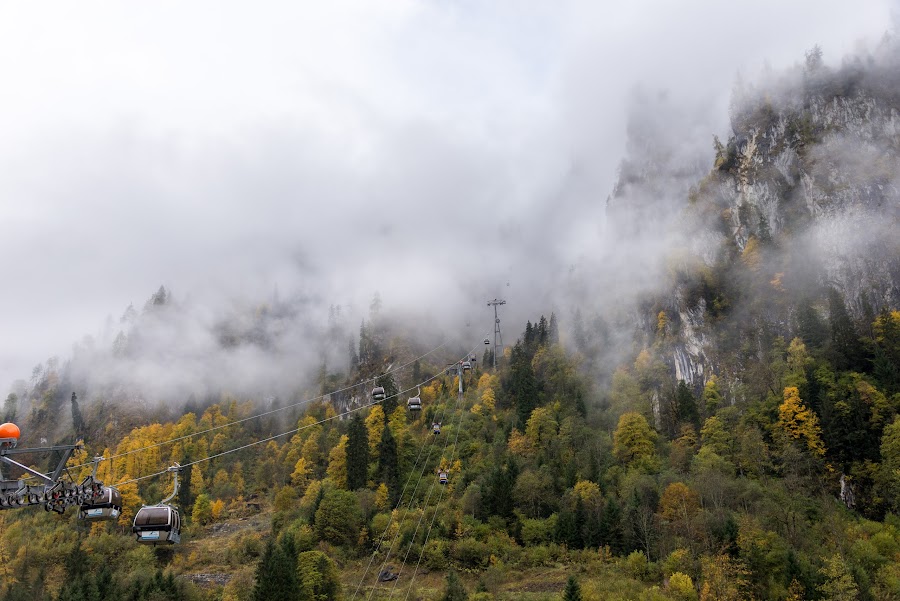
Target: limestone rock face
[803,197]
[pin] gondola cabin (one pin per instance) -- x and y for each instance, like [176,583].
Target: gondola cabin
[157,524]
[414,404]
[467,366]
[378,393]
[108,506]
[436,427]
[487,341]
[443,477]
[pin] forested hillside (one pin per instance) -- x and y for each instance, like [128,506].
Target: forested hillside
[735,436]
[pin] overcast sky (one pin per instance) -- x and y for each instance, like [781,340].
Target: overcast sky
[438,152]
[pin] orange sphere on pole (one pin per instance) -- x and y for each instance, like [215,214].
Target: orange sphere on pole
[9,430]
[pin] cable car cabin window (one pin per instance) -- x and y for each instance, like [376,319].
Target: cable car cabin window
[154,517]
[110,498]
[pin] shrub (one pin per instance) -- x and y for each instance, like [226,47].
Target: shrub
[471,553]
[682,587]
[436,555]
[637,566]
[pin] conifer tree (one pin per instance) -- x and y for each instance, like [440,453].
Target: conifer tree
[521,384]
[357,453]
[572,591]
[846,347]
[455,589]
[542,331]
[553,330]
[276,575]
[388,464]
[10,407]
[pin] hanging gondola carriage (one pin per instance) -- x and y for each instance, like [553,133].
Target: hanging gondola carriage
[414,403]
[487,341]
[436,427]
[159,524]
[378,393]
[443,476]
[108,506]
[466,366]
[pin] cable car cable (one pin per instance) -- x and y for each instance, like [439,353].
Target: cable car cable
[433,518]
[409,507]
[292,431]
[427,442]
[427,498]
[242,420]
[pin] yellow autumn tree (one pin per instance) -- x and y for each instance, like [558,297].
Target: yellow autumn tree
[518,444]
[398,425]
[218,507]
[300,475]
[382,500]
[662,324]
[799,422]
[375,426]
[337,463]
[751,254]
[131,501]
[198,483]
[589,493]
[633,438]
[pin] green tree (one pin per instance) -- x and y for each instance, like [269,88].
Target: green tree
[388,464]
[889,472]
[839,584]
[337,518]
[276,575]
[572,591]
[357,453]
[886,361]
[455,589]
[318,577]
[10,407]
[846,348]
[553,329]
[521,385]
[810,326]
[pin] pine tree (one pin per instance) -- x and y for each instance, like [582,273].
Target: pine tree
[276,575]
[521,384]
[77,419]
[553,330]
[810,327]
[846,347]
[388,464]
[455,589]
[357,453]
[686,405]
[542,331]
[10,407]
[572,591]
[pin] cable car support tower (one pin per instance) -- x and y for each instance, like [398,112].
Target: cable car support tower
[52,492]
[497,335]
